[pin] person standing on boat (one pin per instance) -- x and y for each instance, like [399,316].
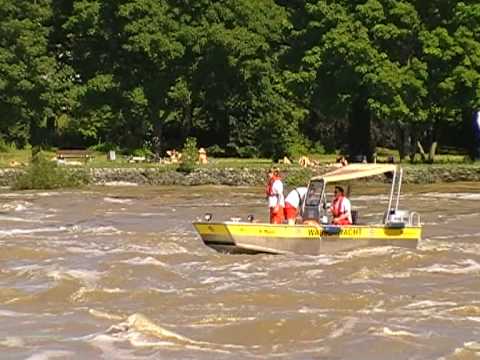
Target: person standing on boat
[275,198]
[293,204]
[341,208]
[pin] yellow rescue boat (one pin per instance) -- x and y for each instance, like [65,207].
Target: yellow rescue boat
[315,236]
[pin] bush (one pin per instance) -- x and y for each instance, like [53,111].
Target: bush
[215,151]
[45,174]
[189,156]
[142,152]
[104,147]
[295,178]
[5,147]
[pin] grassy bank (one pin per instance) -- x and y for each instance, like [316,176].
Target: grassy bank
[19,158]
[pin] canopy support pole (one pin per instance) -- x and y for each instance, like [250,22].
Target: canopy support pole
[392,189]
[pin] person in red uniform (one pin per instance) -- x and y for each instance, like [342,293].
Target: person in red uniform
[275,198]
[293,203]
[341,208]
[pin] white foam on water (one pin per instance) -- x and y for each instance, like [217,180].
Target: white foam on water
[460,196]
[378,308]
[428,304]
[470,350]
[17,206]
[369,252]
[8,313]
[117,200]
[374,198]
[314,273]
[82,250]
[404,334]
[346,327]
[119,183]
[86,276]
[101,230]
[104,315]
[12,342]
[152,214]
[51,354]
[142,332]
[163,248]
[455,236]
[80,294]
[386,331]
[18,219]
[144,261]
[106,344]
[15,232]
[467,266]
[28,269]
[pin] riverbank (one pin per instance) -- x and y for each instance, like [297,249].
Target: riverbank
[244,176]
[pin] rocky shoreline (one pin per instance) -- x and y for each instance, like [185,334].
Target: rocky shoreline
[419,174]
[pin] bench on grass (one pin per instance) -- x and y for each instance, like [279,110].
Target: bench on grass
[68,154]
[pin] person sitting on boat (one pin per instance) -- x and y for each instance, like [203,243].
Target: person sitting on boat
[274,192]
[293,204]
[341,208]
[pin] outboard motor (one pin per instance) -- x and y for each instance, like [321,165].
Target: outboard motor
[398,218]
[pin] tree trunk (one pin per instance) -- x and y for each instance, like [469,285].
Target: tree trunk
[359,134]
[432,152]
[423,155]
[402,151]
[412,142]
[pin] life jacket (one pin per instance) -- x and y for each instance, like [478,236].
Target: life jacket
[269,188]
[337,206]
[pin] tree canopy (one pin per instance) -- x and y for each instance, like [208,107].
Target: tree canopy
[243,77]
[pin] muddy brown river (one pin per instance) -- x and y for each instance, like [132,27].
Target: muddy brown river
[119,273]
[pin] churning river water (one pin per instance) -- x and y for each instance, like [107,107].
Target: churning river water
[119,273]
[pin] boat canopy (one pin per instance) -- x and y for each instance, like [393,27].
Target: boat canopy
[355,171]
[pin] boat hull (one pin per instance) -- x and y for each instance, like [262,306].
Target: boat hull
[251,238]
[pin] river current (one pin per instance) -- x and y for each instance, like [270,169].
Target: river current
[119,273]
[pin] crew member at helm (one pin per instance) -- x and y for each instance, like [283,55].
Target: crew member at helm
[341,208]
[275,198]
[293,203]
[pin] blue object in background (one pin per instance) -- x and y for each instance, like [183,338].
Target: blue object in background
[476,134]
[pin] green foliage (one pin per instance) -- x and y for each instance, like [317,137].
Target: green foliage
[298,177]
[6,147]
[142,152]
[255,78]
[104,147]
[45,174]
[215,151]
[189,156]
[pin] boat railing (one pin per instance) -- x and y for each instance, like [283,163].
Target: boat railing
[414,219]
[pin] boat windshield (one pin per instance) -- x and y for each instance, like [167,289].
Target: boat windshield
[314,193]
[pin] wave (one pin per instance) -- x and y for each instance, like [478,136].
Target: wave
[454,196]
[12,342]
[51,354]
[140,331]
[115,200]
[15,232]
[467,266]
[102,230]
[144,261]
[119,183]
